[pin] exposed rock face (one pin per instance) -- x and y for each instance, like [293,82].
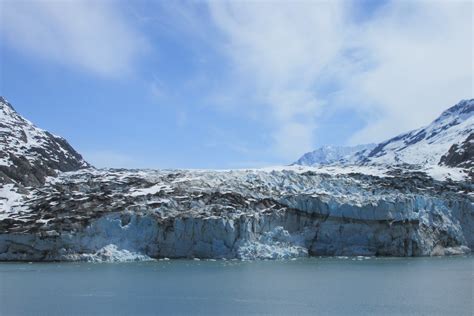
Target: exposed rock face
[238,214]
[461,156]
[29,154]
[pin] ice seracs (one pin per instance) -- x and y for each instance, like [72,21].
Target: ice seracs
[245,214]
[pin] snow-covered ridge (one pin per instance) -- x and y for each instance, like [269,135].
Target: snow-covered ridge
[327,155]
[28,154]
[425,146]
[450,136]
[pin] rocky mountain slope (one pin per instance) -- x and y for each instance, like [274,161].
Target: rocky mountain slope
[119,215]
[29,154]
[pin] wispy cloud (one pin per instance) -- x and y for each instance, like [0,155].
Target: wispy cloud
[399,67]
[90,35]
[283,64]
[423,56]
[281,51]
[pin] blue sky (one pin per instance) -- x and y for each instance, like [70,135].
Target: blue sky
[231,84]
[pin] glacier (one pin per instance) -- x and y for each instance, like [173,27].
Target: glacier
[248,214]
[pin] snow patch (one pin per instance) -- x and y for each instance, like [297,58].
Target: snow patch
[151,190]
[10,200]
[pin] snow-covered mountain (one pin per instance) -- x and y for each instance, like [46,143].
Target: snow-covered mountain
[327,155]
[29,154]
[427,145]
[447,141]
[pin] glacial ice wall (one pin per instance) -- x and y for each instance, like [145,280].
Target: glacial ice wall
[119,216]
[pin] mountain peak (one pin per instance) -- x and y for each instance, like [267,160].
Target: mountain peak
[5,107]
[464,106]
[462,110]
[4,102]
[29,154]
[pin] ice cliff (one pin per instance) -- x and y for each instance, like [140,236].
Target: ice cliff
[237,214]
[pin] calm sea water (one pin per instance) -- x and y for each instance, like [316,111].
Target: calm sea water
[415,286]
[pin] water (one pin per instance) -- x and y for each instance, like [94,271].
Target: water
[415,286]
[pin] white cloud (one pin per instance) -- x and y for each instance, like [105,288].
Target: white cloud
[278,49]
[90,35]
[290,61]
[400,67]
[424,64]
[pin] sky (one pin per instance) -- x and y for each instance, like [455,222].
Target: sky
[231,84]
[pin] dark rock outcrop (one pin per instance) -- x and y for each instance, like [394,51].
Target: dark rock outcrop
[461,156]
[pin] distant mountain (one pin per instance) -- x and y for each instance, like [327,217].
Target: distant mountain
[447,137]
[447,141]
[29,154]
[327,155]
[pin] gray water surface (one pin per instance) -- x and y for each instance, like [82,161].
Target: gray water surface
[317,286]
